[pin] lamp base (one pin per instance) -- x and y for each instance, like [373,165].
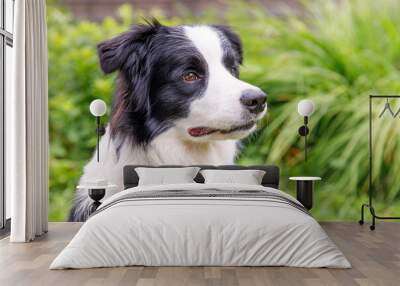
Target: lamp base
[100,130]
[303,130]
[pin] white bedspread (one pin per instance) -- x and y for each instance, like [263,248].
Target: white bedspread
[183,231]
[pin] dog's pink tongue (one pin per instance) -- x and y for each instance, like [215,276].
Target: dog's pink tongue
[199,131]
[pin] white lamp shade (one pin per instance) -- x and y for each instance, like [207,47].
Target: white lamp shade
[305,107]
[98,107]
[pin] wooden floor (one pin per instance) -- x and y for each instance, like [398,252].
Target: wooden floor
[375,257]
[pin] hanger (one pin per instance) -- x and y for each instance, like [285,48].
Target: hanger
[387,107]
[397,112]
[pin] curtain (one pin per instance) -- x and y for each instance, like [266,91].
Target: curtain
[27,124]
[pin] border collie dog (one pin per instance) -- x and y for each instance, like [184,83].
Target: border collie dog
[179,100]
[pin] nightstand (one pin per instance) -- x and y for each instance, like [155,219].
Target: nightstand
[96,192]
[304,190]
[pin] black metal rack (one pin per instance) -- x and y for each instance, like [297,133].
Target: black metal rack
[370,187]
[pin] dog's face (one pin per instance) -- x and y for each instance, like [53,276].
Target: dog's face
[183,77]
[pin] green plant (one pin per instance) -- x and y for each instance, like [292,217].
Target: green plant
[336,53]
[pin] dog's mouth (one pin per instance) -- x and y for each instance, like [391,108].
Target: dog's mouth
[203,131]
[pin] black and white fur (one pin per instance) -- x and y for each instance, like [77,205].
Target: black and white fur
[155,108]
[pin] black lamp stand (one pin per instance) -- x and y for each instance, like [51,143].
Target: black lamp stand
[100,131]
[303,131]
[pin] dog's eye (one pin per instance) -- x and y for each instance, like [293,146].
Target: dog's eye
[190,77]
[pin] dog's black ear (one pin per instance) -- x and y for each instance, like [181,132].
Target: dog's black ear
[130,54]
[114,53]
[233,38]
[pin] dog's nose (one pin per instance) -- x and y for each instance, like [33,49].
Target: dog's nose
[254,100]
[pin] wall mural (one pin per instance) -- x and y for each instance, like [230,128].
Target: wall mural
[200,87]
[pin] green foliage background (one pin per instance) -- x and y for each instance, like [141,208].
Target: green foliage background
[334,54]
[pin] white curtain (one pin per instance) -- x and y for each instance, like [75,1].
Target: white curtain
[27,124]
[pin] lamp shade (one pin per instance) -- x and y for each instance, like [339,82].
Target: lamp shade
[98,107]
[305,107]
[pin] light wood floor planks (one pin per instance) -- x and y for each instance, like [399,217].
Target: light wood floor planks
[375,257]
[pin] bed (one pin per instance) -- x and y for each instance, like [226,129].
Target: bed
[201,224]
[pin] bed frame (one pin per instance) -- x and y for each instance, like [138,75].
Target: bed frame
[270,179]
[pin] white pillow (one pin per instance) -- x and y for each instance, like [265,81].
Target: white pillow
[164,176]
[247,177]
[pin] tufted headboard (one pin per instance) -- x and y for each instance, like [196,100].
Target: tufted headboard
[270,179]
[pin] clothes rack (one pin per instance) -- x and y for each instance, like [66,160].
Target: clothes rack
[370,187]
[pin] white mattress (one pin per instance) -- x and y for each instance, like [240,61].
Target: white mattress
[191,231]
